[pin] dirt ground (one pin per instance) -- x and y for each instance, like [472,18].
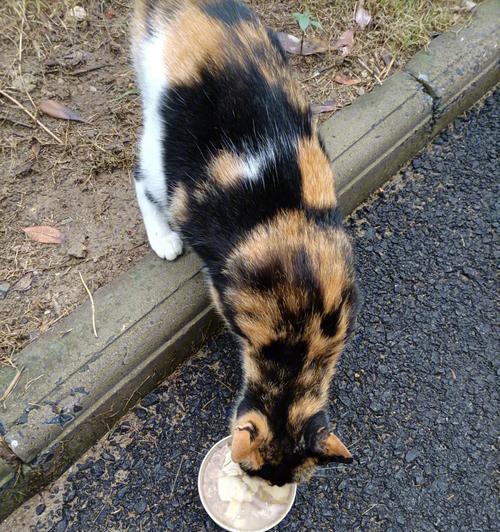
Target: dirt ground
[82,184]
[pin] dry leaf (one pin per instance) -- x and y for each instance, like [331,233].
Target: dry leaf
[71,59]
[469,5]
[345,42]
[44,234]
[110,14]
[344,80]
[326,107]
[58,110]
[386,57]
[23,283]
[23,168]
[362,16]
[291,44]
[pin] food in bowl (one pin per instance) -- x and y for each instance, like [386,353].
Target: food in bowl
[237,501]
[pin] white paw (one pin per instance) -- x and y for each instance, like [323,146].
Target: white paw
[168,246]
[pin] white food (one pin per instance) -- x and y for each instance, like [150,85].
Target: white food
[230,468]
[242,501]
[254,484]
[279,494]
[233,489]
[233,510]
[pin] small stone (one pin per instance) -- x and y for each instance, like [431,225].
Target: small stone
[77,248]
[140,506]
[411,455]
[40,509]
[98,468]
[77,13]
[26,82]
[149,400]
[62,525]
[141,413]
[4,289]
[69,496]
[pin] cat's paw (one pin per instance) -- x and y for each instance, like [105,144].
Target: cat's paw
[168,247]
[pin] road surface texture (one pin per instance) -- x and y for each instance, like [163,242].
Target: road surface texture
[414,396]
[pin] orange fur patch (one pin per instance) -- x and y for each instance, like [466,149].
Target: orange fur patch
[226,169]
[256,315]
[178,205]
[194,40]
[258,420]
[318,186]
[302,410]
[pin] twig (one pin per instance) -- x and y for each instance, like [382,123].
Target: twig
[387,69]
[100,512]
[176,476]
[33,117]
[92,304]
[370,71]
[31,381]
[90,68]
[319,72]
[12,385]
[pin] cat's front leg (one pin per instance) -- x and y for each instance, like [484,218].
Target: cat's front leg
[151,191]
[166,243]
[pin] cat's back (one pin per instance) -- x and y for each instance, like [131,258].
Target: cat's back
[218,48]
[239,147]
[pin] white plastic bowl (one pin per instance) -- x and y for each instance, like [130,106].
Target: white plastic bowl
[224,524]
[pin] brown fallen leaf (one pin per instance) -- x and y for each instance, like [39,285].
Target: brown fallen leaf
[23,283]
[44,234]
[345,42]
[291,44]
[326,107]
[362,16]
[58,110]
[344,80]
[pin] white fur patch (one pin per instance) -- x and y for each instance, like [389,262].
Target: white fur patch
[255,163]
[153,81]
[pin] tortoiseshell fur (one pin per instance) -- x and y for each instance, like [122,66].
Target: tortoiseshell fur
[230,155]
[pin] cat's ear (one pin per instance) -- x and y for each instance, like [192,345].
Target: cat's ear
[328,447]
[249,432]
[321,443]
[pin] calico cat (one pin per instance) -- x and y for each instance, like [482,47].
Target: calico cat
[231,165]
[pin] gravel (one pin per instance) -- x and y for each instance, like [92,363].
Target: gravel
[415,395]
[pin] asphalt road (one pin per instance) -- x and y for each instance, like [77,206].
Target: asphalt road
[415,395]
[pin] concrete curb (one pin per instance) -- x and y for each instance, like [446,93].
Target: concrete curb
[151,318]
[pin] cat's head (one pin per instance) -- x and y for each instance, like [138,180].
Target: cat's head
[288,456]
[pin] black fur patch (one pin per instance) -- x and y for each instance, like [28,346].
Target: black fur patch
[237,106]
[330,322]
[229,12]
[152,199]
[261,277]
[306,279]
[327,218]
[277,45]
[138,174]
